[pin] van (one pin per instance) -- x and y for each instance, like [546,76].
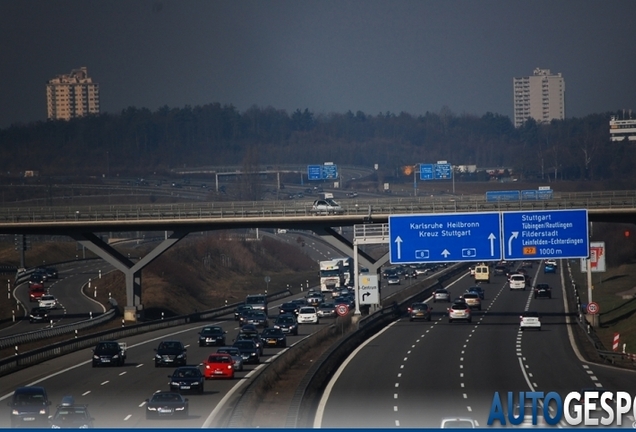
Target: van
[257,301]
[482,273]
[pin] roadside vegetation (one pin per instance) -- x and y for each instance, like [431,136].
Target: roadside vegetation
[197,274]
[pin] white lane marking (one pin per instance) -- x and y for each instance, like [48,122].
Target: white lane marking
[139,365]
[465,396]
[395,408]
[105,382]
[399,375]
[397,422]
[85,393]
[397,385]
[123,373]
[142,404]
[127,417]
[469,408]
[395,395]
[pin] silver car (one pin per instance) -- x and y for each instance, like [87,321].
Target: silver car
[326,207]
[441,295]
[236,356]
[327,310]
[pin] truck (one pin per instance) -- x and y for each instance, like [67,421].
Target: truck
[347,269]
[332,275]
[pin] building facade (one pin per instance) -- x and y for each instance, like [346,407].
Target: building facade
[72,95]
[622,130]
[540,96]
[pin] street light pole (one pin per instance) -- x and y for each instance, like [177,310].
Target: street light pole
[414,180]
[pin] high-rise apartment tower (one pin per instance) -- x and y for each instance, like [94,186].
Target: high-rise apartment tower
[72,95]
[540,96]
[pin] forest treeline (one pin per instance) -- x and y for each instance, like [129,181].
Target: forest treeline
[140,140]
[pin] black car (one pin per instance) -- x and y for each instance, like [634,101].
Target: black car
[71,417]
[212,335]
[274,337]
[166,404]
[51,272]
[109,353]
[171,353]
[249,350]
[38,314]
[288,308]
[257,318]
[29,407]
[287,323]
[187,378]
[542,290]
[500,270]
[253,337]
[240,310]
[419,311]
[478,290]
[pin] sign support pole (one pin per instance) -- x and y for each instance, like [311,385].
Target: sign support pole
[589,280]
[356,282]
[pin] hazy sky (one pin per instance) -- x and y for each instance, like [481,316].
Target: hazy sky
[324,55]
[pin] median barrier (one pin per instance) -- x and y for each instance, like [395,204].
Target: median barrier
[19,361]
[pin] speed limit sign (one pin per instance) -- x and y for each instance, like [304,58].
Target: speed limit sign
[592,308]
[342,309]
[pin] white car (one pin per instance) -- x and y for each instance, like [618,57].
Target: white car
[458,422]
[326,206]
[47,301]
[307,315]
[551,262]
[530,320]
[517,282]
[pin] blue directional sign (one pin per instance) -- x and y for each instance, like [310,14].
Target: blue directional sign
[453,237]
[544,194]
[545,234]
[443,172]
[426,171]
[329,171]
[529,194]
[314,172]
[503,195]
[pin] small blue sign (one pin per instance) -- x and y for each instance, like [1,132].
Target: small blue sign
[529,194]
[503,196]
[449,237]
[545,234]
[314,172]
[330,172]
[544,194]
[426,171]
[443,172]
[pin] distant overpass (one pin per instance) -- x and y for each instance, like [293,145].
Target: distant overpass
[82,223]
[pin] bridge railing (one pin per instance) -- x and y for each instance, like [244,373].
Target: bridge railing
[300,208]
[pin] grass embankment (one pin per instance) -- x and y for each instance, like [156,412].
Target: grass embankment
[197,274]
[614,291]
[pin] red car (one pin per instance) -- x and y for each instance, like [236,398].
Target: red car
[218,366]
[36,291]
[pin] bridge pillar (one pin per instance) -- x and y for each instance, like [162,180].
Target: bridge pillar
[134,306]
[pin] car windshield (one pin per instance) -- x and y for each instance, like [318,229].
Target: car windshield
[166,397]
[460,306]
[244,344]
[530,315]
[29,398]
[107,347]
[307,311]
[170,345]
[211,330]
[285,320]
[227,351]
[219,359]
[187,373]
[68,413]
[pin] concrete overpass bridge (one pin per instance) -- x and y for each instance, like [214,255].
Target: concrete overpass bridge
[368,217]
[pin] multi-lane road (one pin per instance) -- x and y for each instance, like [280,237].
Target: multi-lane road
[413,374]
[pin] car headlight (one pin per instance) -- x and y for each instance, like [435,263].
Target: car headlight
[15,412]
[151,408]
[180,355]
[116,356]
[43,411]
[96,357]
[157,356]
[252,354]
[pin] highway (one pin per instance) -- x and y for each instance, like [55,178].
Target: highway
[73,304]
[413,374]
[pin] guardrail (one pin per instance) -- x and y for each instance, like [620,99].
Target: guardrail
[383,206]
[19,361]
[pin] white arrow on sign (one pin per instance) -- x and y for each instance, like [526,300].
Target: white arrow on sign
[492,238]
[398,241]
[514,235]
[446,253]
